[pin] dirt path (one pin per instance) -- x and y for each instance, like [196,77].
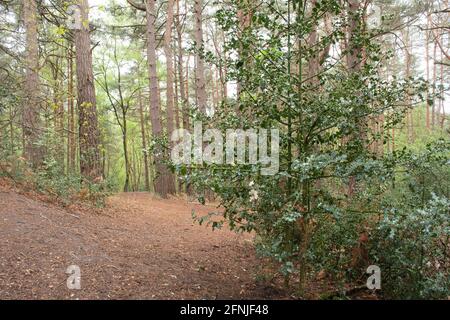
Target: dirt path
[145,249]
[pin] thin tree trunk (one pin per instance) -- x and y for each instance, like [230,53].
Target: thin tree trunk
[354,62]
[442,100]
[409,114]
[58,112]
[243,20]
[169,91]
[199,62]
[126,186]
[184,103]
[427,66]
[433,107]
[187,97]
[144,144]
[176,100]
[11,137]
[71,150]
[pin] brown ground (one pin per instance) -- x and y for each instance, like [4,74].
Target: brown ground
[140,248]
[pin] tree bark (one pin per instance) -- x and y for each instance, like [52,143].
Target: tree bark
[89,136]
[31,118]
[354,63]
[169,91]
[161,185]
[427,66]
[184,102]
[433,106]
[126,186]
[71,143]
[144,144]
[409,114]
[199,62]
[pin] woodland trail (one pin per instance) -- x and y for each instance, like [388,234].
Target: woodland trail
[144,248]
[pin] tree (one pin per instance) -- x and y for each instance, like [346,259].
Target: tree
[163,177]
[181,79]
[31,108]
[120,95]
[89,136]
[144,143]
[355,61]
[71,141]
[200,83]
[170,83]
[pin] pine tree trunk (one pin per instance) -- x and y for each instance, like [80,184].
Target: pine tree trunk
[186,113]
[409,114]
[31,118]
[161,185]
[433,107]
[199,62]
[427,66]
[58,111]
[354,63]
[184,103]
[126,186]
[169,91]
[89,136]
[144,144]
[71,148]
[442,104]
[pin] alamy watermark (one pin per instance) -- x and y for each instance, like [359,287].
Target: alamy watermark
[374,281]
[233,147]
[74,279]
[74,20]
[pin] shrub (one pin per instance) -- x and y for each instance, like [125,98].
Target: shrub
[411,248]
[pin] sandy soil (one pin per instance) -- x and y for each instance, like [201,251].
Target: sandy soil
[139,248]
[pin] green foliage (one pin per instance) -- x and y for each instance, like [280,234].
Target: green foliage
[52,179]
[331,187]
[411,248]
[411,241]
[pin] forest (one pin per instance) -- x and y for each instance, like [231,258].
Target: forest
[225,149]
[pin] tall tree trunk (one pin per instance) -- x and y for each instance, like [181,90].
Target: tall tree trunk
[169,91]
[58,113]
[433,107]
[71,144]
[354,64]
[437,79]
[144,144]
[11,137]
[176,100]
[184,103]
[126,186]
[244,20]
[442,100]
[427,66]
[155,100]
[89,136]
[409,115]
[186,118]
[31,118]
[199,62]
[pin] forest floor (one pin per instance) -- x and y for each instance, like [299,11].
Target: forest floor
[139,247]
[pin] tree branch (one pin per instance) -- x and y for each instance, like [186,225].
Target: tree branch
[138,6]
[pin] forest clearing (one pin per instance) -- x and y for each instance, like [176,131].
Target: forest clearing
[214,150]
